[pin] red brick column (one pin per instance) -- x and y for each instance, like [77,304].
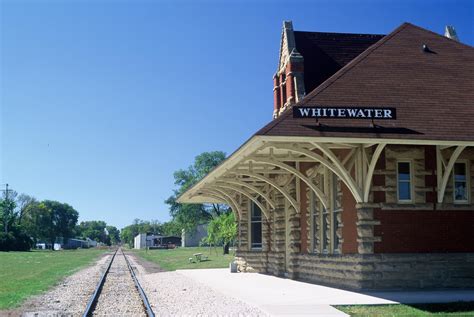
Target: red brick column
[276,95]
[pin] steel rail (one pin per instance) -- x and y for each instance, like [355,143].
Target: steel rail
[93,300]
[149,311]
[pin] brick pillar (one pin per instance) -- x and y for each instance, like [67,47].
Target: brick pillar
[295,75]
[282,91]
[276,96]
[290,88]
[365,228]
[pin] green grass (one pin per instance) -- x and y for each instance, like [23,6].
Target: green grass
[23,274]
[176,259]
[416,310]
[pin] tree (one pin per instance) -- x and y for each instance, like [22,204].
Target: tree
[49,220]
[188,216]
[114,235]
[36,220]
[23,201]
[12,235]
[128,233]
[222,230]
[7,209]
[64,219]
[94,230]
[155,227]
[171,228]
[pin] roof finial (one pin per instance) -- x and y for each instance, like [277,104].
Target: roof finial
[450,33]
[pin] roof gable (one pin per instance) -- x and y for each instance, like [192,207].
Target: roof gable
[432,91]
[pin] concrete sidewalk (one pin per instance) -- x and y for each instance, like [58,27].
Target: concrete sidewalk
[283,297]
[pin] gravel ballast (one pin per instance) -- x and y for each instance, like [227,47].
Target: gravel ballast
[169,294]
[69,298]
[119,296]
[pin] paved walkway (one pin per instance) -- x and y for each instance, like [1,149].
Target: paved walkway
[280,297]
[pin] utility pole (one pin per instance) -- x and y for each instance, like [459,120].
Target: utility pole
[5,209]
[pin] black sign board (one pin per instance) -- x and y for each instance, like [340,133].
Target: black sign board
[319,112]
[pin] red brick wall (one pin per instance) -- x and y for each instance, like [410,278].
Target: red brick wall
[349,219]
[404,231]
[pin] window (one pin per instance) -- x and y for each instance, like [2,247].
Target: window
[335,212]
[325,230]
[315,216]
[255,227]
[326,221]
[404,185]
[460,183]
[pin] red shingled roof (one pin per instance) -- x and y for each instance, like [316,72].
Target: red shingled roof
[433,92]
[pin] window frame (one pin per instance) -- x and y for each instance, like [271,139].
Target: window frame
[314,204]
[411,182]
[468,185]
[252,205]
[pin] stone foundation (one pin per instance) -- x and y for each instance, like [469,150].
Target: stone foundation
[368,271]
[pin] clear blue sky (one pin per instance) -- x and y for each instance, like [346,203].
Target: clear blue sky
[102,100]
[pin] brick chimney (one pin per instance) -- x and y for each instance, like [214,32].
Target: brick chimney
[288,81]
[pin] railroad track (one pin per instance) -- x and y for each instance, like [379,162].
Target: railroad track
[118,291]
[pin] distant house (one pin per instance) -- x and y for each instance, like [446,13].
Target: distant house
[143,240]
[193,238]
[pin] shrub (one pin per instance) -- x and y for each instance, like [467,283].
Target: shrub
[15,240]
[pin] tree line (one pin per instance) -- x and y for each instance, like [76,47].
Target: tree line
[25,221]
[222,227]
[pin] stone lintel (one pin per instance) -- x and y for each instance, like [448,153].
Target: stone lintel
[367,205]
[368,223]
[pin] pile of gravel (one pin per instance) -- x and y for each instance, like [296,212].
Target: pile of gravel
[173,294]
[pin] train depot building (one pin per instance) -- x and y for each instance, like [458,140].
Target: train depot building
[364,179]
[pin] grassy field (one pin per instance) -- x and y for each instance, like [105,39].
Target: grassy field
[417,310]
[23,274]
[176,259]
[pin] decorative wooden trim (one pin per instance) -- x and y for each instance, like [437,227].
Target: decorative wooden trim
[298,174]
[370,171]
[253,188]
[272,183]
[335,166]
[230,202]
[241,191]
